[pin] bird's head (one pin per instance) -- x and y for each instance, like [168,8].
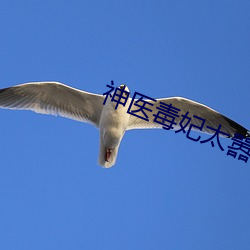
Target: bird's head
[124,87]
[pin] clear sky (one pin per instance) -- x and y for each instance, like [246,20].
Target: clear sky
[165,192]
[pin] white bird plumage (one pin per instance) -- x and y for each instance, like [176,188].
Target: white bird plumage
[58,99]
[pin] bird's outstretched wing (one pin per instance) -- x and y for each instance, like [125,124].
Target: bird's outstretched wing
[212,118]
[54,98]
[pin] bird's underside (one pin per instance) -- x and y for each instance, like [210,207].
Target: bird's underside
[59,99]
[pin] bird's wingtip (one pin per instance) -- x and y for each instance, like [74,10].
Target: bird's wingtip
[248,133]
[3,90]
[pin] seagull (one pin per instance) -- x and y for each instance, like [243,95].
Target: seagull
[55,98]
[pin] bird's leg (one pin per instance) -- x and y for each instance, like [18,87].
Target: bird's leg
[108,154]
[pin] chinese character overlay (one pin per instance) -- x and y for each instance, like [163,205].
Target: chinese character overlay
[239,145]
[108,93]
[141,104]
[181,123]
[195,128]
[166,115]
[122,96]
[217,134]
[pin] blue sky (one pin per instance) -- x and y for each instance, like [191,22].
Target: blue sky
[165,192]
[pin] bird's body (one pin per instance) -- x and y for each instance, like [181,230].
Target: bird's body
[113,125]
[58,99]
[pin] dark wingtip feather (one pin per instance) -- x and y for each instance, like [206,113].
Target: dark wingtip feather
[3,90]
[237,127]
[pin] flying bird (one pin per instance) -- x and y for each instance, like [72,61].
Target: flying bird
[55,98]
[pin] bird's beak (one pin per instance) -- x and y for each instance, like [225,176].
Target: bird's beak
[108,154]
